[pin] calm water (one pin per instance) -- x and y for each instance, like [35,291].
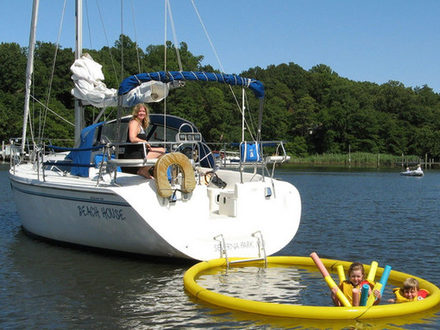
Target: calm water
[351,215]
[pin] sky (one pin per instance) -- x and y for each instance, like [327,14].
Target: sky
[374,40]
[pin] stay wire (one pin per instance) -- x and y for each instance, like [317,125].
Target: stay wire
[51,111]
[176,45]
[88,24]
[207,36]
[41,135]
[106,40]
[219,62]
[165,67]
[122,40]
[135,37]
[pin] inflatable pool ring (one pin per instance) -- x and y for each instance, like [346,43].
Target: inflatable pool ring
[161,177]
[308,312]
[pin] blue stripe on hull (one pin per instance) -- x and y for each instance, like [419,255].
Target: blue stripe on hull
[77,199]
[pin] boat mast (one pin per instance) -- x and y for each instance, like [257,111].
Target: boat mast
[79,109]
[29,70]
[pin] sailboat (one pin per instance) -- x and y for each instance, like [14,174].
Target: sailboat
[196,207]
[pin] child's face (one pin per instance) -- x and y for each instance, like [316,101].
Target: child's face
[356,277]
[410,293]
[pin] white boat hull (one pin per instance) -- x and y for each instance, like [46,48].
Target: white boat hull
[130,217]
[412,173]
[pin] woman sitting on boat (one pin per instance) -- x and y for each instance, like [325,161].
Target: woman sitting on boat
[137,133]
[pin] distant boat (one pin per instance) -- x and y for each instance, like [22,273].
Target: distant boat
[8,150]
[416,172]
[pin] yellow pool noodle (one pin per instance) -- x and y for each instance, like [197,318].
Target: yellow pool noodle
[341,296]
[341,273]
[372,298]
[372,272]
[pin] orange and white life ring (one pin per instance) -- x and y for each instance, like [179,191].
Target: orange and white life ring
[161,177]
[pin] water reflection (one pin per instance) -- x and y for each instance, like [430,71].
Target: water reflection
[79,286]
[284,285]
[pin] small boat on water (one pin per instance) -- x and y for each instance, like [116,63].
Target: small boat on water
[201,209]
[417,172]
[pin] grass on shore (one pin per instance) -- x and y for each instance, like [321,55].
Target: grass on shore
[357,159]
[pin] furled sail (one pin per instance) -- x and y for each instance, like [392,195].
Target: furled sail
[90,88]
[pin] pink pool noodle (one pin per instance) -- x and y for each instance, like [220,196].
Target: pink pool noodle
[319,264]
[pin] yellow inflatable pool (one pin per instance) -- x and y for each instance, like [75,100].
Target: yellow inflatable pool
[308,312]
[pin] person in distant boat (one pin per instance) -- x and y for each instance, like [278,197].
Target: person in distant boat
[137,133]
[356,279]
[419,168]
[409,291]
[407,169]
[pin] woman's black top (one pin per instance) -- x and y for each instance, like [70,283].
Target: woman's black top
[135,151]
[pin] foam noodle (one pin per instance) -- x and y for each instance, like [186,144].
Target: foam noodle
[356,297]
[364,294]
[384,278]
[372,273]
[372,297]
[341,273]
[328,279]
[319,264]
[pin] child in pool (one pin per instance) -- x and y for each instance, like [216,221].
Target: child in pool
[356,279]
[409,291]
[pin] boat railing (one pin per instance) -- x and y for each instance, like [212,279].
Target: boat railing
[44,156]
[15,153]
[188,145]
[251,153]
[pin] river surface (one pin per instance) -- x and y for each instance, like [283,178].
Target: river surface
[352,215]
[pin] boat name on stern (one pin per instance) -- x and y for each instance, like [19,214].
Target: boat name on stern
[109,213]
[236,245]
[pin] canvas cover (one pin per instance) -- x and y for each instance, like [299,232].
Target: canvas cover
[90,89]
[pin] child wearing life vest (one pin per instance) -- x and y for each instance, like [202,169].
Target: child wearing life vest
[356,279]
[409,291]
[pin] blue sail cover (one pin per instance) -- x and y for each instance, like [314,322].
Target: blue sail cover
[169,76]
[82,155]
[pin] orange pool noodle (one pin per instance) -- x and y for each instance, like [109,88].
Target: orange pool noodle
[356,297]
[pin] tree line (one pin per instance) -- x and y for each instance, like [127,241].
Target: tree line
[314,111]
